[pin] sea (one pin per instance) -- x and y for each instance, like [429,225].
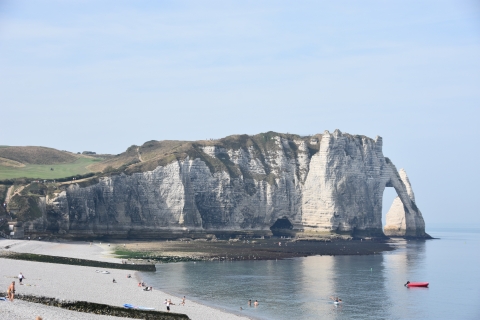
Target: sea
[370,286]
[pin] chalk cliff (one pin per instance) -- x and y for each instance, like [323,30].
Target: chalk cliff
[316,185]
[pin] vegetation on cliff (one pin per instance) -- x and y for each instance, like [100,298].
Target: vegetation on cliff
[48,163]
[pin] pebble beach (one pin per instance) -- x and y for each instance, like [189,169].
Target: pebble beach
[79,283]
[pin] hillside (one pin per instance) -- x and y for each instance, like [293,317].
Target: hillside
[42,163]
[36,155]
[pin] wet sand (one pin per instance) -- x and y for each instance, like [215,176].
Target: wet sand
[259,249]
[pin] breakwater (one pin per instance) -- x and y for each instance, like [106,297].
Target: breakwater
[78,262]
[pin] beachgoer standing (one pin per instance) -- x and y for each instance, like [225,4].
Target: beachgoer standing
[169,303]
[11,291]
[183,301]
[20,278]
[255,303]
[249,302]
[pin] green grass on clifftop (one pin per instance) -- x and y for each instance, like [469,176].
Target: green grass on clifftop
[43,171]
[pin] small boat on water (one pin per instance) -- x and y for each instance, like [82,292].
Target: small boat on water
[416,284]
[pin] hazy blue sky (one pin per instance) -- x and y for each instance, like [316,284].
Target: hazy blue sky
[103,75]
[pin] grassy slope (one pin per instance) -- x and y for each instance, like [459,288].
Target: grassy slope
[42,171]
[37,155]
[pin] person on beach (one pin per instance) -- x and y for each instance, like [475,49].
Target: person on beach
[249,302]
[255,303]
[169,303]
[11,291]
[183,301]
[20,278]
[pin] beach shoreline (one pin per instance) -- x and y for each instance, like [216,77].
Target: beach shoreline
[80,283]
[97,288]
[204,303]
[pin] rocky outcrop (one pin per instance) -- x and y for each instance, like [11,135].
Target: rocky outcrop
[323,184]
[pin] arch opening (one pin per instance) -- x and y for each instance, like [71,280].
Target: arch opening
[389,195]
[282,227]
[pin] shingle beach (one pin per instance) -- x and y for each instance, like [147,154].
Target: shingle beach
[69,282]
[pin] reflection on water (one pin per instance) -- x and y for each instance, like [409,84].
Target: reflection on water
[315,273]
[370,286]
[362,279]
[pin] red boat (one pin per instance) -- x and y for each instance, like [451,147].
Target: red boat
[416,284]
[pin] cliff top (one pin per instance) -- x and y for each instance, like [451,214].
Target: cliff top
[159,153]
[149,155]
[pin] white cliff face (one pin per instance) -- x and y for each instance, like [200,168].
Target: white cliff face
[328,183]
[344,187]
[406,182]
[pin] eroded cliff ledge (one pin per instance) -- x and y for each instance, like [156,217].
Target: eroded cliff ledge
[330,183]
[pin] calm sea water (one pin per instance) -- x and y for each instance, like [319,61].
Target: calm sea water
[370,286]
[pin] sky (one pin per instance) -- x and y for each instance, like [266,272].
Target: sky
[104,75]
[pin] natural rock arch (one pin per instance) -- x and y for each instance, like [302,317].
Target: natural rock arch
[404,219]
